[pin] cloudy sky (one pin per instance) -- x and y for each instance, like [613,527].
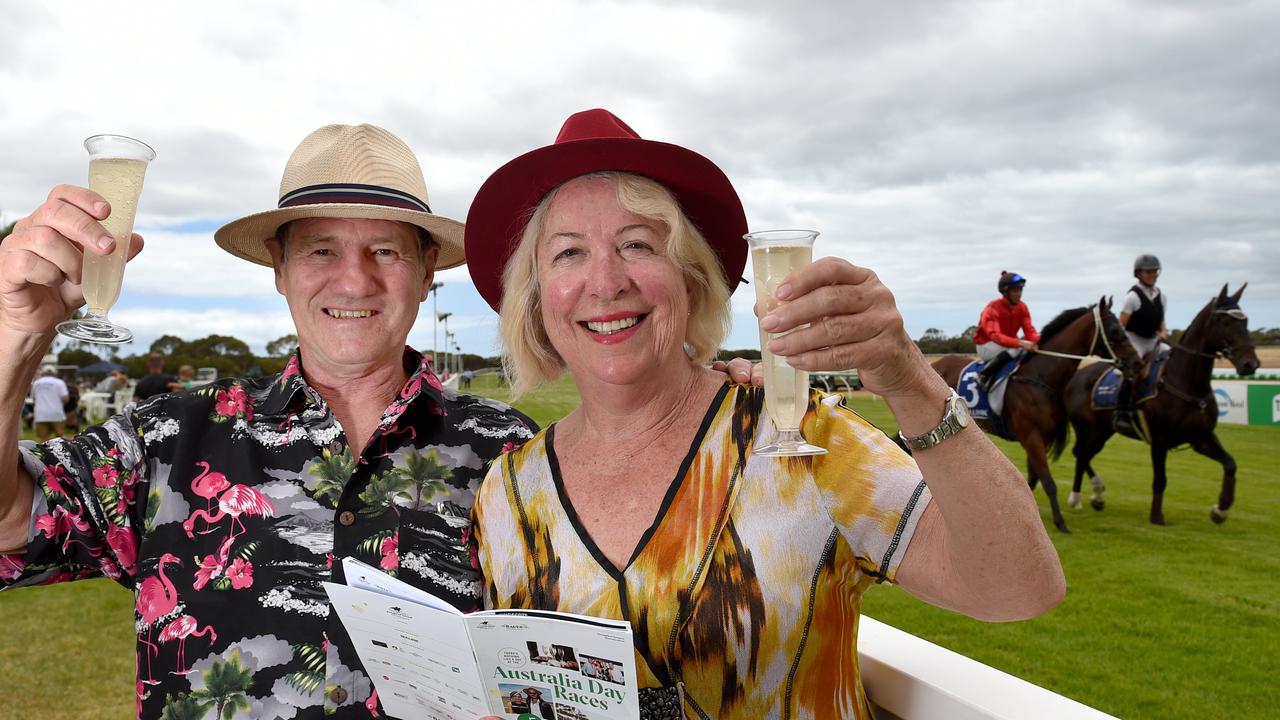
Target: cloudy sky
[935,142]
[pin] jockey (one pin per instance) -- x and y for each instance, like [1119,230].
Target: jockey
[1142,314]
[997,334]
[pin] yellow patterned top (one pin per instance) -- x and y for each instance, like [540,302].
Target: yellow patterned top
[747,587]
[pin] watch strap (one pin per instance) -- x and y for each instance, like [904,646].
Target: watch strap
[948,426]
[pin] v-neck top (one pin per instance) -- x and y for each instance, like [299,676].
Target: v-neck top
[747,585]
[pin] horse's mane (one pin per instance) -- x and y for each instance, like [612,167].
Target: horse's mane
[1065,318]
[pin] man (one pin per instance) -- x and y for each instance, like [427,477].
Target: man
[1142,316]
[997,338]
[49,395]
[223,508]
[156,381]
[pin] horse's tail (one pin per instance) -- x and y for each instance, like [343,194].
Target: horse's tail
[1059,440]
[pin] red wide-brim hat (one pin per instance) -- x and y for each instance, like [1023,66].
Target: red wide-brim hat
[593,141]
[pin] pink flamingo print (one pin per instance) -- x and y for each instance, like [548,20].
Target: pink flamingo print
[235,501]
[157,597]
[207,485]
[181,628]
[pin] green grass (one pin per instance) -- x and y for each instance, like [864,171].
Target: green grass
[1179,621]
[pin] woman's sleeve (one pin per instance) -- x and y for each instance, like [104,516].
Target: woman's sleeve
[495,541]
[872,489]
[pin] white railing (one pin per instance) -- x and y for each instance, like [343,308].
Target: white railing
[916,680]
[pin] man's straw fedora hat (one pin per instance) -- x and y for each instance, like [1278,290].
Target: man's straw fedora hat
[347,171]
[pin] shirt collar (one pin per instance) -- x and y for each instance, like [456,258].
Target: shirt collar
[290,388]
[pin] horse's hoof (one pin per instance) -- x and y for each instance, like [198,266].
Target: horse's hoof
[1062,527]
[1097,504]
[1217,516]
[1157,519]
[1073,501]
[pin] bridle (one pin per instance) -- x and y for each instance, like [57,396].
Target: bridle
[1227,350]
[1099,331]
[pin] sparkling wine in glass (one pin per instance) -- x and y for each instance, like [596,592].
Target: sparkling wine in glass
[116,167]
[774,254]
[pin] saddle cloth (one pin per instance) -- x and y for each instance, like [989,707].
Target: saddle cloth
[984,406]
[1106,391]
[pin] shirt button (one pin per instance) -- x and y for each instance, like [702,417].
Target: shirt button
[347,518]
[335,447]
[338,695]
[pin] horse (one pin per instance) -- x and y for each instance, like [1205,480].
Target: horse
[1033,413]
[1183,410]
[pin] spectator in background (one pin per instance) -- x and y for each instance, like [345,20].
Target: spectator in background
[186,376]
[157,381]
[72,408]
[114,381]
[49,393]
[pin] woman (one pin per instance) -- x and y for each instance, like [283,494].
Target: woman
[741,575]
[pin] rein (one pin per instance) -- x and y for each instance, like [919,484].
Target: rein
[1099,332]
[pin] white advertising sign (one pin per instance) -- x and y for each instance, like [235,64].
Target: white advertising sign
[1233,401]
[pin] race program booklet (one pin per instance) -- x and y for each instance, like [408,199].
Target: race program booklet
[428,660]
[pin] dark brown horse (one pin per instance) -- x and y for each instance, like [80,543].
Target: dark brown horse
[1183,411]
[1033,413]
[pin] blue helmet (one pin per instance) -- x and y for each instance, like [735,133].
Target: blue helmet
[1010,280]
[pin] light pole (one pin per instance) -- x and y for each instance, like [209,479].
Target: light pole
[448,340]
[444,318]
[434,286]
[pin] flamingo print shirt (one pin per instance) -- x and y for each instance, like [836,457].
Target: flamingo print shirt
[747,586]
[224,507]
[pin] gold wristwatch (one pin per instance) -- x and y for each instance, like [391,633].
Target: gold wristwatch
[955,419]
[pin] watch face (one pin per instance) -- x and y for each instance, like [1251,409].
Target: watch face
[961,410]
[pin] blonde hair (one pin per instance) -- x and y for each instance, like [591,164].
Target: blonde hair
[529,359]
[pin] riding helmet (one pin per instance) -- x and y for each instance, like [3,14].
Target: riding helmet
[1146,262]
[1010,280]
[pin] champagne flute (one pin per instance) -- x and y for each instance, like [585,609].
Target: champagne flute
[116,167]
[774,254]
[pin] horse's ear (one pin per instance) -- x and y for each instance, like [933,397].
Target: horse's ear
[1104,303]
[1236,297]
[1223,294]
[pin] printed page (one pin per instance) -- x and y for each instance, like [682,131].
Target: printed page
[536,665]
[418,657]
[366,577]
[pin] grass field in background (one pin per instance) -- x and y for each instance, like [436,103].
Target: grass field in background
[1181,621]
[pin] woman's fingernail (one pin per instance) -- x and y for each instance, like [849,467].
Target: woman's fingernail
[783,292]
[104,242]
[775,346]
[769,322]
[101,208]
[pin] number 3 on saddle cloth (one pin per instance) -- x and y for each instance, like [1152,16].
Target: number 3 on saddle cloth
[982,405]
[1106,391]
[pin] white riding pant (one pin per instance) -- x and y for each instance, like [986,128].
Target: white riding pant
[1144,346]
[988,351]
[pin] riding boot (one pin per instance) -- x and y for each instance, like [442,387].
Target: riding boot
[987,377]
[1125,408]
